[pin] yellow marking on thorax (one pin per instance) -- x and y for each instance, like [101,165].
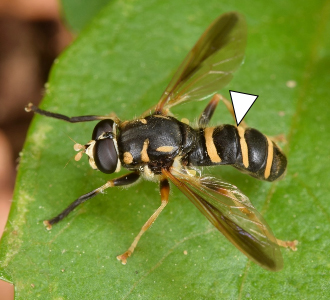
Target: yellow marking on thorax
[144,154]
[143,121]
[270,157]
[210,147]
[161,116]
[244,147]
[165,149]
[128,158]
[123,124]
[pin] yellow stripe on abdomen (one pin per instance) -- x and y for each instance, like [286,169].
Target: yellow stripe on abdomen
[270,156]
[210,147]
[244,147]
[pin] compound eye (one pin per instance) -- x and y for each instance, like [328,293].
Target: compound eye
[101,127]
[105,155]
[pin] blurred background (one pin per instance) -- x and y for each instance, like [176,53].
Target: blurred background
[32,34]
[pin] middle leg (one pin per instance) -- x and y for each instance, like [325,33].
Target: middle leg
[164,193]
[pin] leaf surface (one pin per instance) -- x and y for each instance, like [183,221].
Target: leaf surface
[121,63]
[78,13]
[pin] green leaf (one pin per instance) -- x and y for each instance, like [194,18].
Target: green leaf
[78,13]
[122,63]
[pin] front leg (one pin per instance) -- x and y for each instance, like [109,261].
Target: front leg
[88,118]
[164,193]
[120,181]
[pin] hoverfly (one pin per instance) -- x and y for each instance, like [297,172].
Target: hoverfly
[158,147]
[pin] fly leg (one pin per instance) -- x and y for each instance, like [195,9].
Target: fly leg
[120,181]
[37,110]
[288,244]
[253,217]
[164,193]
[207,114]
[210,108]
[276,138]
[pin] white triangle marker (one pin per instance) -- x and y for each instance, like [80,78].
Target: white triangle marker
[241,103]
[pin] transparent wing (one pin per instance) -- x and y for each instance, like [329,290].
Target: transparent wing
[233,215]
[208,67]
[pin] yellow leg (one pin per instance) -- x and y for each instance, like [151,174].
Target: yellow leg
[231,109]
[164,193]
[277,138]
[288,244]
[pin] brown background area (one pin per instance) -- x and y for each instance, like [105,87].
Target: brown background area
[31,36]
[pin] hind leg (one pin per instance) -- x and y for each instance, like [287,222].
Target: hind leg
[207,114]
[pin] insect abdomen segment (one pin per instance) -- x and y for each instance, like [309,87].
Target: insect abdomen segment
[245,149]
